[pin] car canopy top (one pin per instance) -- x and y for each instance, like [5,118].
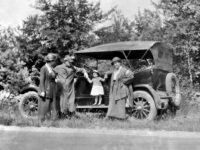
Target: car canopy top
[160,52]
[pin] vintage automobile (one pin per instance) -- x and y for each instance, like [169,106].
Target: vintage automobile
[155,86]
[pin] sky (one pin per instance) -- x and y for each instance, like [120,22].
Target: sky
[13,12]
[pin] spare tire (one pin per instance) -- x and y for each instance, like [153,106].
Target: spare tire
[173,88]
[28,105]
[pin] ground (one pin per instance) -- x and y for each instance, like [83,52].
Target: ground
[33,138]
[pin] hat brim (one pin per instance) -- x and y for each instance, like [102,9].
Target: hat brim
[112,63]
[50,60]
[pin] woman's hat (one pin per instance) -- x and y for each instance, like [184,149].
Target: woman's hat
[95,71]
[50,57]
[116,59]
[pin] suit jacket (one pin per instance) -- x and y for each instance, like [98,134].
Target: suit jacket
[47,82]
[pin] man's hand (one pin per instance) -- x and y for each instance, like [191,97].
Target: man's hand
[85,73]
[42,94]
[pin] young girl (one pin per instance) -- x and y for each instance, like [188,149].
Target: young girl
[97,88]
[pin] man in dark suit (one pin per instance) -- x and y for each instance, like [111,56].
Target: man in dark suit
[48,103]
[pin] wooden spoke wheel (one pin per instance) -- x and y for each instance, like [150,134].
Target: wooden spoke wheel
[143,106]
[28,105]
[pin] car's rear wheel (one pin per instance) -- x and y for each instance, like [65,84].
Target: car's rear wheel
[28,105]
[143,106]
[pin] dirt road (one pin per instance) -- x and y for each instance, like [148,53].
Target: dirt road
[15,138]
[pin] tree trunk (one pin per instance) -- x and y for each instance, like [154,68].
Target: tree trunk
[189,65]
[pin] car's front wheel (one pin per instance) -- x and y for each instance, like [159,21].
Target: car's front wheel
[143,106]
[28,105]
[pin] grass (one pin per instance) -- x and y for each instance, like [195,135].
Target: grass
[182,121]
[187,119]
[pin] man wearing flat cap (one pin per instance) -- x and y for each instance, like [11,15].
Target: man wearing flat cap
[65,85]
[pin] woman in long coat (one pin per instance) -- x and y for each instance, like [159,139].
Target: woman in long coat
[47,103]
[119,92]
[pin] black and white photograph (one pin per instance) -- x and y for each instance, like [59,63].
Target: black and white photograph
[99,74]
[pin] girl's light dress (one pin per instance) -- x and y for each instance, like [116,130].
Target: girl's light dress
[97,87]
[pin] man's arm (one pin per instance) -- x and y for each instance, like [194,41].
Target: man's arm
[42,82]
[81,70]
[108,73]
[61,72]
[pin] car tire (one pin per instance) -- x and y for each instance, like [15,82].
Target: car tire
[173,88]
[143,106]
[28,105]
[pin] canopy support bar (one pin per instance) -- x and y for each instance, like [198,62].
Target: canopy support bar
[144,54]
[126,57]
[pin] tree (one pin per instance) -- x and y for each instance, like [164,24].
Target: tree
[63,26]
[182,18]
[30,42]
[148,26]
[13,74]
[119,28]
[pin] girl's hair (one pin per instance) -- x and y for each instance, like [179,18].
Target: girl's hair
[95,71]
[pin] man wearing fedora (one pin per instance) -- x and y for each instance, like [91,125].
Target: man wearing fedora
[47,103]
[65,85]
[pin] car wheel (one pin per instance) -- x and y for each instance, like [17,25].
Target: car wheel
[28,105]
[143,106]
[173,89]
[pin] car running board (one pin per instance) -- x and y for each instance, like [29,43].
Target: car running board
[91,106]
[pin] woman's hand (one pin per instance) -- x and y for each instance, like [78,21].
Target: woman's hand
[106,76]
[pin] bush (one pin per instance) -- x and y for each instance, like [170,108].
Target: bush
[13,74]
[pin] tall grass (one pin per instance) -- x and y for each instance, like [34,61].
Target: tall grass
[186,119]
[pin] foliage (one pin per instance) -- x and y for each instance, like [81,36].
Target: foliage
[30,42]
[182,28]
[148,26]
[12,71]
[119,28]
[63,26]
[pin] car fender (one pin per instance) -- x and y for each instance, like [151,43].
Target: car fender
[151,91]
[29,88]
